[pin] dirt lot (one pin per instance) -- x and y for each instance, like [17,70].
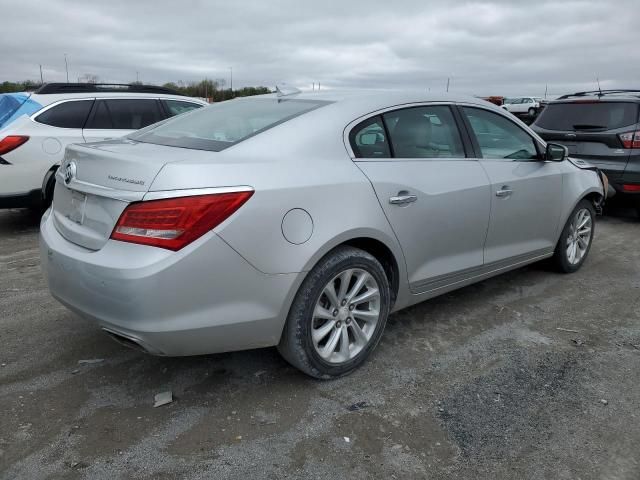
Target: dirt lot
[487,382]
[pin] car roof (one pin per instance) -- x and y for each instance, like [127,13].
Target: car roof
[601,95]
[365,101]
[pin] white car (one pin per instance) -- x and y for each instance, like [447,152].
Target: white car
[522,105]
[36,128]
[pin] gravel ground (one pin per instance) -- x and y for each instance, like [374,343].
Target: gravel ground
[530,375]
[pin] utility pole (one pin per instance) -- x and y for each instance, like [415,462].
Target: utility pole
[137,77]
[231,71]
[66,66]
[546,87]
[41,80]
[448,80]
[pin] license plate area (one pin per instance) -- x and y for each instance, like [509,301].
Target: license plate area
[77,207]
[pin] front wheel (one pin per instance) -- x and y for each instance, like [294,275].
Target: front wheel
[576,238]
[338,315]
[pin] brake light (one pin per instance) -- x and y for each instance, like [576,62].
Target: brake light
[631,188]
[630,139]
[11,142]
[176,222]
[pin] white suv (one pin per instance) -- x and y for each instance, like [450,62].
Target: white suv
[522,105]
[36,128]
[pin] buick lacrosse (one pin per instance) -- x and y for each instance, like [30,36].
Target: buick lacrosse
[303,219]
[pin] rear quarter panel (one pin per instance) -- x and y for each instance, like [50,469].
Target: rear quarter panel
[289,168]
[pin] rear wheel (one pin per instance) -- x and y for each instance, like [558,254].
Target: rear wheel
[576,238]
[532,112]
[338,315]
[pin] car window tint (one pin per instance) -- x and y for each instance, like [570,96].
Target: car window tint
[71,114]
[176,107]
[499,137]
[424,132]
[574,115]
[125,114]
[368,139]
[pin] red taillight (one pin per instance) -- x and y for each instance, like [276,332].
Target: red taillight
[11,142]
[630,139]
[630,188]
[176,222]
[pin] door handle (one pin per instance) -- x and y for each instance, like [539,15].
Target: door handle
[403,198]
[505,191]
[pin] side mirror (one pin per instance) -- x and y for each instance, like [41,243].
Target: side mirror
[556,152]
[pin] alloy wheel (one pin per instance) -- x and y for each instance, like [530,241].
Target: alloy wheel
[345,315]
[579,236]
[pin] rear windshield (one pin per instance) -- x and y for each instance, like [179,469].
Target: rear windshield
[585,116]
[14,105]
[222,125]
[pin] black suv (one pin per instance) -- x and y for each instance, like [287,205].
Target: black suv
[603,128]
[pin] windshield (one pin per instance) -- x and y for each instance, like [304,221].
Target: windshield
[14,105]
[222,125]
[585,115]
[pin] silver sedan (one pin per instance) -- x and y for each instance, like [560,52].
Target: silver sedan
[302,220]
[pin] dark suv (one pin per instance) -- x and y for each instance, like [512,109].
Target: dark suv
[603,128]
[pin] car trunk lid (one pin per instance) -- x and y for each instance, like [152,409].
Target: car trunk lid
[97,181]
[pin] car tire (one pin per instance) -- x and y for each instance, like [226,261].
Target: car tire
[573,248]
[532,112]
[326,338]
[47,192]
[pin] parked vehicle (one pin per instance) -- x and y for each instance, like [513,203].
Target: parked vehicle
[603,128]
[302,220]
[522,105]
[36,128]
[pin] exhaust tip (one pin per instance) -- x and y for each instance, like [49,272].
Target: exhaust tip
[126,341]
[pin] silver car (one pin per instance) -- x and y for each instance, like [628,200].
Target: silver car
[302,220]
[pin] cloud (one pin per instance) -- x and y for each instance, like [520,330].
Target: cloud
[489,47]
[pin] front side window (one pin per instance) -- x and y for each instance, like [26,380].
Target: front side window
[424,132]
[369,140]
[222,125]
[499,137]
[176,107]
[72,114]
[124,114]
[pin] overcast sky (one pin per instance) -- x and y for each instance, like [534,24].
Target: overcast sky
[490,47]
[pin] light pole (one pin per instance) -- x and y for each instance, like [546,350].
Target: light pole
[66,66]
[231,82]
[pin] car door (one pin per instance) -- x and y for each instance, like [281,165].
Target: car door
[526,191]
[436,199]
[116,117]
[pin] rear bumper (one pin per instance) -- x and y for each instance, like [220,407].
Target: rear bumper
[203,299]
[32,199]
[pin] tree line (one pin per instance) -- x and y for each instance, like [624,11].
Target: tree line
[214,90]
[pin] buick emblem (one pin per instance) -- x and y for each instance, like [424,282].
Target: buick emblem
[69,172]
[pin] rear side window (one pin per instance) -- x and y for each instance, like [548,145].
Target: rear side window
[222,125]
[72,114]
[424,132]
[124,114]
[176,107]
[369,140]
[588,116]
